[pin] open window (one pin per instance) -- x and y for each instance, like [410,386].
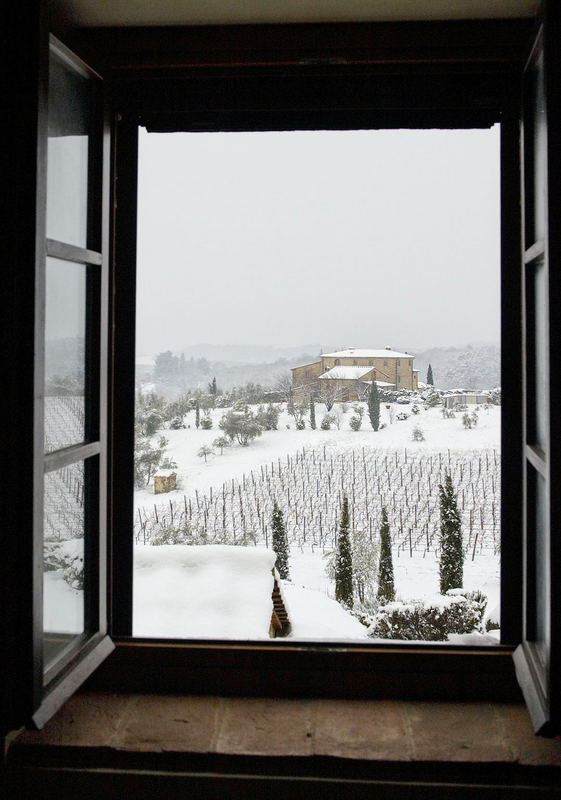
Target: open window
[314,99]
[267,96]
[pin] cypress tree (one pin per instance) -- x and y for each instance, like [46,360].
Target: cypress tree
[312,413]
[374,405]
[451,552]
[197,414]
[386,590]
[344,560]
[280,543]
[430,379]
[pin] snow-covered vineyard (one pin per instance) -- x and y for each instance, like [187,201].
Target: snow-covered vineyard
[64,421]
[309,486]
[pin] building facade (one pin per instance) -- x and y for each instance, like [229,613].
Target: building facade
[347,374]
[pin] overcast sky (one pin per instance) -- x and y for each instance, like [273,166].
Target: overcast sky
[362,238]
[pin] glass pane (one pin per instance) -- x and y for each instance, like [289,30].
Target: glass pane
[65,337]
[252,400]
[540,144]
[542,560]
[540,354]
[63,560]
[68,153]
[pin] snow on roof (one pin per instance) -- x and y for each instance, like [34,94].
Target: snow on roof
[309,364]
[353,352]
[203,591]
[345,373]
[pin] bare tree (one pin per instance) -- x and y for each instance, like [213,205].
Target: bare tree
[362,390]
[337,418]
[282,385]
[330,390]
[205,451]
[299,410]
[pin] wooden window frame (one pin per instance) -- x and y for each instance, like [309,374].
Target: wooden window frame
[210,98]
[383,65]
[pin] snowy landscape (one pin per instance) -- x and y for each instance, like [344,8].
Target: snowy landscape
[228,498]
[224,500]
[258,254]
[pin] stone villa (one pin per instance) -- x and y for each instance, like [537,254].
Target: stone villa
[347,374]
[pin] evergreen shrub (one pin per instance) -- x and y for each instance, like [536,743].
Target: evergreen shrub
[458,613]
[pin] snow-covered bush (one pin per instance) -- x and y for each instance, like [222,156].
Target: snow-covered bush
[433,399]
[470,420]
[457,613]
[176,424]
[243,427]
[402,416]
[206,423]
[68,558]
[301,424]
[269,417]
[415,409]
[355,422]
[326,422]
[148,458]
[417,435]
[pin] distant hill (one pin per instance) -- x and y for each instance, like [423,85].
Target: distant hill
[468,367]
[249,354]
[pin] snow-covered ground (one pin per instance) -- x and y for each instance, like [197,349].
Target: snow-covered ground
[212,591]
[165,585]
[195,475]
[309,594]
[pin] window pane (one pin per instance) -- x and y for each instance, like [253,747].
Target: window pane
[65,353]
[274,272]
[540,354]
[63,560]
[539,135]
[68,153]
[537,570]
[541,568]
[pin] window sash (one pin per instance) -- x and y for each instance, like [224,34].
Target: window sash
[55,681]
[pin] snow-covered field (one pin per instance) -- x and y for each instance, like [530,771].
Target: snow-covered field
[309,593]
[196,475]
[303,462]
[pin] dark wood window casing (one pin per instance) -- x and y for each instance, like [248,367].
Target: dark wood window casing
[284,78]
[286,96]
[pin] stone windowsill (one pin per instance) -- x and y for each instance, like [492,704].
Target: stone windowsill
[111,730]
